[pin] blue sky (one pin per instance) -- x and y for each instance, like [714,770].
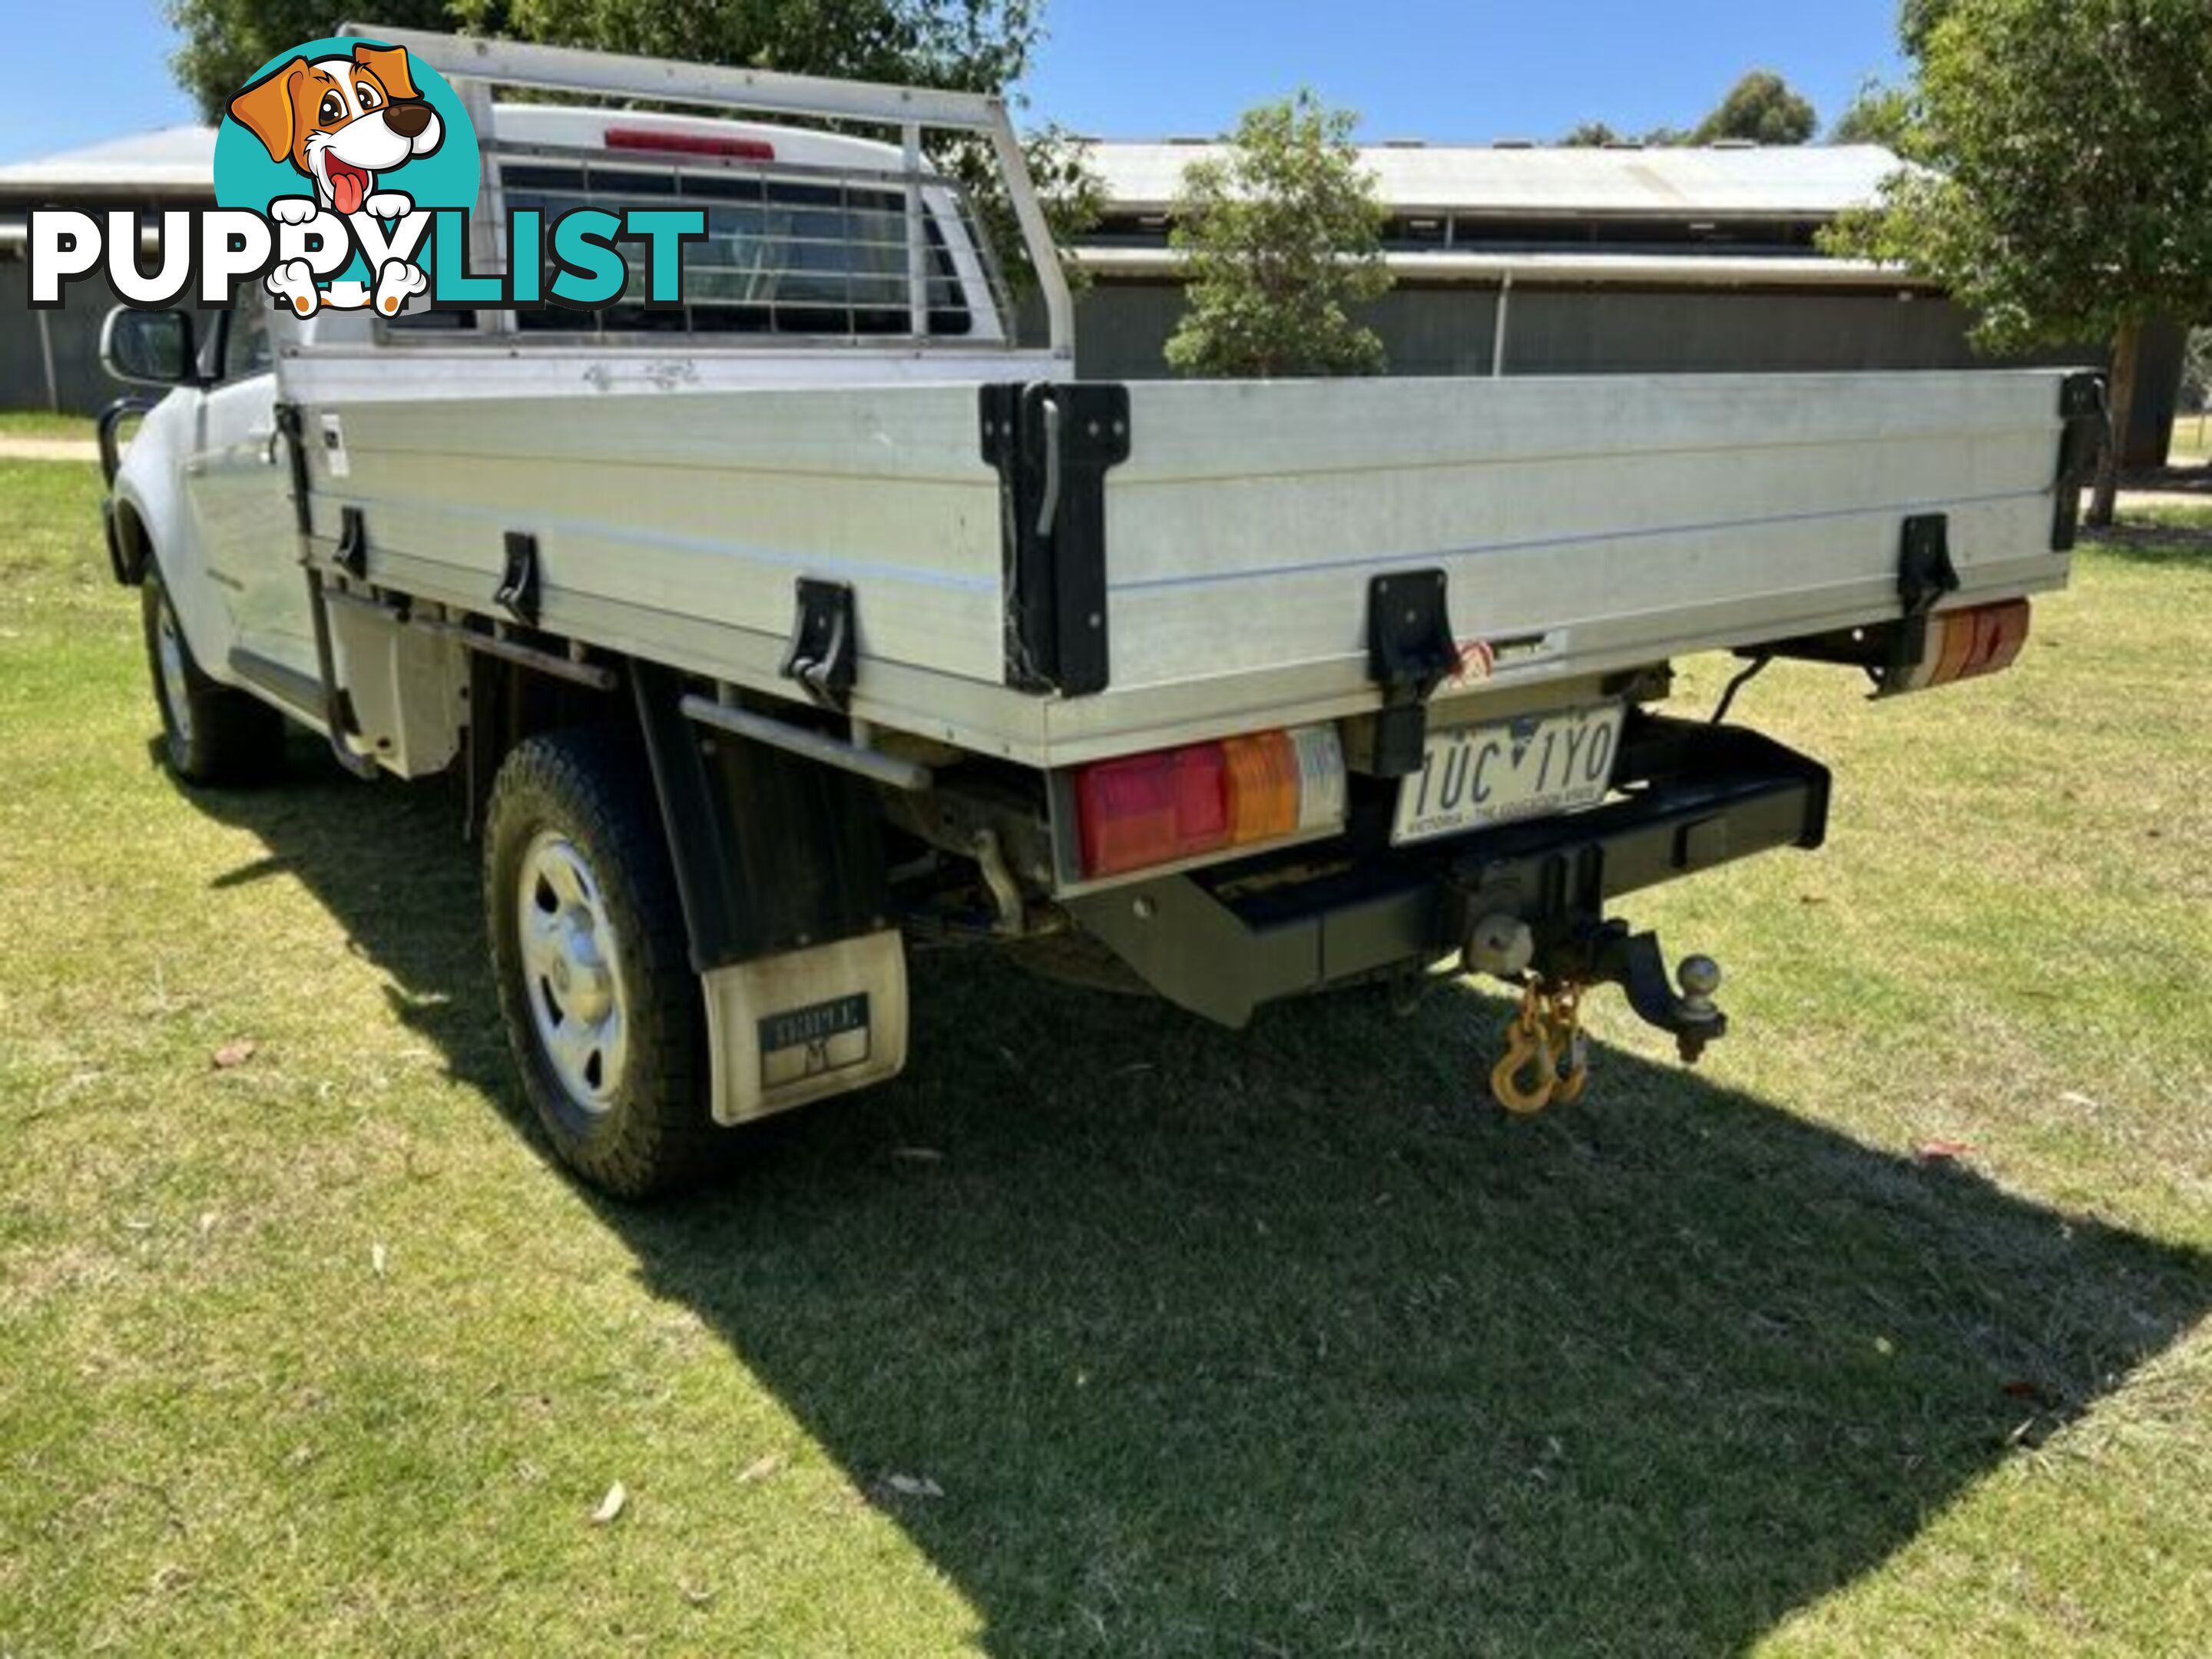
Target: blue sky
[1442,70]
[1473,71]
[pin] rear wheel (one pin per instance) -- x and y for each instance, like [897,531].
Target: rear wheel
[211,733]
[602,1009]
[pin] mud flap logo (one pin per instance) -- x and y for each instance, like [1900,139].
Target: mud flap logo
[813,1041]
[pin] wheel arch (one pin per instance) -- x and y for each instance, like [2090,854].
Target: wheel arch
[509,703]
[130,546]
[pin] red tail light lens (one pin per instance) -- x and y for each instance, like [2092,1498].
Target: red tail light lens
[687,143]
[1176,804]
[1152,809]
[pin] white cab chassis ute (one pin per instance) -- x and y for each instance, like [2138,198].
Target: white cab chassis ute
[822,616]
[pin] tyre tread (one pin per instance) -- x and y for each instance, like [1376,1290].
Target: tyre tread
[237,739]
[590,783]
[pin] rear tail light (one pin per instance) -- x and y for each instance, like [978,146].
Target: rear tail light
[1176,804]
[687,143]
[1963,645]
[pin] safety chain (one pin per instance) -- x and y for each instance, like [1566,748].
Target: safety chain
[1544,1039]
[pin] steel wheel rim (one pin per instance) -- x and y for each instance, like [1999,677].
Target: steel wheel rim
[572,971]
[169,668]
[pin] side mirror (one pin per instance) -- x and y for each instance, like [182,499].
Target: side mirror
[149,348]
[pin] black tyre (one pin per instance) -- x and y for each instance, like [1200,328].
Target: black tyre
[211,733]
[602,1009]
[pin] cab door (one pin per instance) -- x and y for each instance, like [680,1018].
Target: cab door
[238,480]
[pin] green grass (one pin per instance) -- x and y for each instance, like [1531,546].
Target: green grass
[38,423]
[1281,1341]
[2193,438]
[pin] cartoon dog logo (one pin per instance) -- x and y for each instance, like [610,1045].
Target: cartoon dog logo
[341,122]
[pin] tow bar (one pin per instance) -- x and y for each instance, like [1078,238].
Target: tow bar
[1546,1058]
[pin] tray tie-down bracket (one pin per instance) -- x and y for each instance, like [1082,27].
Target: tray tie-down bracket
[519,588]
[351,553]
[1411,650]
[1887,651]
[823,656]
[1924,575]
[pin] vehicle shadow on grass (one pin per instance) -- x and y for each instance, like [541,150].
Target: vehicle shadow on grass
[2145,541]
[1279,1341]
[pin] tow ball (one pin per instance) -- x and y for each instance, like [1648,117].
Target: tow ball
[1546,1058]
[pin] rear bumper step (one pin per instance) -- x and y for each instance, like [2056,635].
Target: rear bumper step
[1221,942]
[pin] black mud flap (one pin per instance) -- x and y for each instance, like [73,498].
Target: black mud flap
[773,852]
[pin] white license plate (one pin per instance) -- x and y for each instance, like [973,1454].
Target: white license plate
[1520,768]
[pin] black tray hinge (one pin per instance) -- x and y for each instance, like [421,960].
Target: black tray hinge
[1410,650]
[1052,446]
[338,708]
[292,425]
[824,656]
[517,593]
[352,554]
[2086,428]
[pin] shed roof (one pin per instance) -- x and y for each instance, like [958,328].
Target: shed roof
[170,159]
[1798,180]
[1806,180]
[1430,268]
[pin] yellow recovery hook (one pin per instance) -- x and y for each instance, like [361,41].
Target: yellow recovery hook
[1546,1060]
[1545,1035]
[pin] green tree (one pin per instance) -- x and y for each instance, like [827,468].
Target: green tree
[1878,113]
[2068,186]
[979,45]
[1917,21]
[226,40]
[972,46]
[1762,108]
[1068,189]
[1284,238]
[976,46]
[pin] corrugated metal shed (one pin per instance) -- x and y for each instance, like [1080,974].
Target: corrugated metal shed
[1567,270]
[1585,309]
[1808,180]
